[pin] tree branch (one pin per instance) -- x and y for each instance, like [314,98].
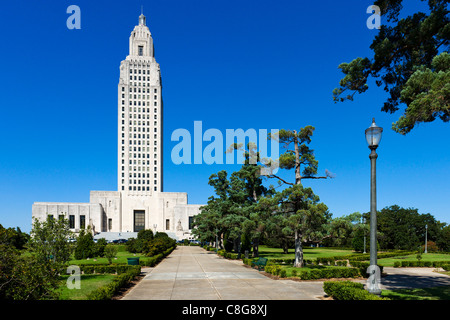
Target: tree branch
[317,241]
[275,176]
[312,177]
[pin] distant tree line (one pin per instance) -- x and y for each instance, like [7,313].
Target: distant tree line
[397,229]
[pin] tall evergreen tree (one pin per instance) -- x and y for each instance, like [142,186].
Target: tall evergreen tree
[302,216]
[299,204]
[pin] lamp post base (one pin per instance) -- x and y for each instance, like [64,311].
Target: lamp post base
[373,282]
[376,291]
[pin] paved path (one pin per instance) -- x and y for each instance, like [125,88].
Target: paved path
[400,278]
[191,273]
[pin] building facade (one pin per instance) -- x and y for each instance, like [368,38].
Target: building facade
[140,202]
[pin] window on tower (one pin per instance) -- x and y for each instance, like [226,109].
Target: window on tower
[141,50]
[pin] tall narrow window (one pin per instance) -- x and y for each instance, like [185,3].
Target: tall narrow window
[167,224]
[139,220]
[141,50]
[82,222]
[71,221]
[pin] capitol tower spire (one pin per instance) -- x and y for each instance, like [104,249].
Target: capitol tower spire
[140,113]
[142,19]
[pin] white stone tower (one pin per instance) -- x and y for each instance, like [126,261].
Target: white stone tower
[140,117]
[139,203]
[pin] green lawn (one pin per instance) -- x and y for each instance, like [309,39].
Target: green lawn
[122,256]
[389,262]
[313,253]
[89,282]
[436,293]
[308,252]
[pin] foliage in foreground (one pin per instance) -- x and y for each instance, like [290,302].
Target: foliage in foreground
[410,61]
[348,290]
[108,291]
[34,276]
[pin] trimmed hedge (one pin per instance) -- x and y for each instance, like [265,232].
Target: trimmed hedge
[315,274]
[358,267]
[227,255]
[281,261]
[154,260]
[341,271]
[273,269]
[106,292]
[348,290]
[341,261]
[111,269]
[327,273]
[362,266]
[429,264]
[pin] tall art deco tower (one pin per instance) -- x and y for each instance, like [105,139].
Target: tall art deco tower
[140,117]
[139,203]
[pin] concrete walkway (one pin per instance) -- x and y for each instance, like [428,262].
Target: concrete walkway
[191,273]
[401,278]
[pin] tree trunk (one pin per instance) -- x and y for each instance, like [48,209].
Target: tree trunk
[235,244]
[298,263]
[255,247]
[238,246]
[284,245]
[221,241]
[298,178]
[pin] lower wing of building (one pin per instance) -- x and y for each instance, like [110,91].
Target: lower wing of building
[115,212]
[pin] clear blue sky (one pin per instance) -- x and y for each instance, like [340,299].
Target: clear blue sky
[230,64]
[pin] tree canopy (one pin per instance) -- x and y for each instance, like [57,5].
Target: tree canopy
[411,63]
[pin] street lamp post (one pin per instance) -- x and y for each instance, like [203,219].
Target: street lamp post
[364,230]
[426,236]
[217,240]
[373,137]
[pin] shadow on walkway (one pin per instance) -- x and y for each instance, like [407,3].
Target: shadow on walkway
[405,279]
